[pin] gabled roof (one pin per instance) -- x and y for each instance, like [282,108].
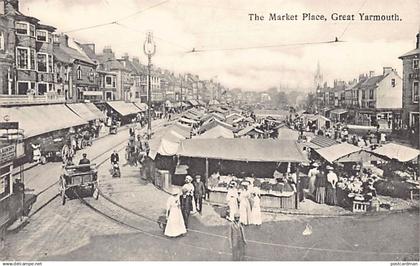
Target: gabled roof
[88,51]
[412,52]
[372,82]
[69,55]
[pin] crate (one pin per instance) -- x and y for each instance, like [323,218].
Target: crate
[360,206]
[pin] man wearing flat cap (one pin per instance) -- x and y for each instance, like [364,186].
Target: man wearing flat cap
[199,193]
[237,239]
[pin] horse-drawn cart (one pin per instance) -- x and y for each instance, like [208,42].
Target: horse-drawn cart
[79,180]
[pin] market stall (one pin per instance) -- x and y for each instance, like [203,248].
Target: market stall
[270,165]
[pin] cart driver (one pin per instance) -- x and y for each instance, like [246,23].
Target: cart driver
[84,161]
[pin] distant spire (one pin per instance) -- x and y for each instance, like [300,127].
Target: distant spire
[318,78]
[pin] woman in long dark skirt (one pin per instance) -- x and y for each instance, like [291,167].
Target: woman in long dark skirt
[320,184]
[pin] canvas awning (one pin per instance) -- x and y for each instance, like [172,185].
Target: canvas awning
[141,106]
[335,152]
[124,108]
[251,150]
[214,123]
[217,132]
[95,110]
[83,111]
[339,111]
[165,142]
[187,121]
[39,119]
[322,142]
[397,152]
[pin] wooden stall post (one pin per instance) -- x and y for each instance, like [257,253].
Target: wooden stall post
[297,187]
[207,168]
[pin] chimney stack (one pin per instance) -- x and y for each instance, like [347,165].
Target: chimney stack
[371,73]
[11,7]
[136,60]
[387,70]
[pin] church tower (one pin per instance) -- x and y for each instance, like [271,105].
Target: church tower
[318,78]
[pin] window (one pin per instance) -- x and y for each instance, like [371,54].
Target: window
[32,30]
[50,64]
[42,88]
[22,28]
[415,91]
[32,59]
[415,63]
[41,35]
[79,73]
[22,58]
[393,82]
[23,87]
[50,87]
[1,41]
[5,179]
[108,81]
[42,62]
[371,94]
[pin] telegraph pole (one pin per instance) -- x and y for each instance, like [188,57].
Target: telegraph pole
[149,48]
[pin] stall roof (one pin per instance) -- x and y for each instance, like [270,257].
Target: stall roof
[201,102]
[335,152]
[188,121]
[124,108]
[213,124]
[339,111]
[165,142]
[193,102]
[40,119]
[83,111]
[398,152]
[212,115]
[248,129]
[217,132]
[253,150]
[323,142]
[95,110]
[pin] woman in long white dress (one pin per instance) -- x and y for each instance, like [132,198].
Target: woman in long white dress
[256,210]
[175,222]
[244,206]
[232,200]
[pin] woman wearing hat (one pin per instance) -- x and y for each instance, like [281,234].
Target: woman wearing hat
[244,204]
[256,209]
[232,200]
[331,196]
[175,222]
[312,177]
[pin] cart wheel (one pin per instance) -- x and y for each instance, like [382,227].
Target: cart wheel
[63,196]
[43,160]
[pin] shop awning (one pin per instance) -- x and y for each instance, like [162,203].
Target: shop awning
[40,119]
[141,106]
[124,108]
[83,111]
[93,93]
[251,150]
[99,114]
[398,152]
[335,152]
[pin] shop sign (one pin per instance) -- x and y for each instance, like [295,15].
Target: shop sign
[7,153]
[9,125]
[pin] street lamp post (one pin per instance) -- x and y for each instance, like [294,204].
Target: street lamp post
[149,48]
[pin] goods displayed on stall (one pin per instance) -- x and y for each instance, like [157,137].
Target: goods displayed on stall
[278,186]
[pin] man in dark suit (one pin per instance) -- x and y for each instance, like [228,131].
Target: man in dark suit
[115,158]
[84,161]
[237,239]
[186,206]
[199,193]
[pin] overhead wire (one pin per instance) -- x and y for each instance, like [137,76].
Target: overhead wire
[117,20]
[348,24]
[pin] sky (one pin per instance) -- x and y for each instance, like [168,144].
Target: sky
[237,52]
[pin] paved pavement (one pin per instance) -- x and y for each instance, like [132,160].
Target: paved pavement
[76,232]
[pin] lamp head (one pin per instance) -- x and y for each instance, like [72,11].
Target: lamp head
[149,45]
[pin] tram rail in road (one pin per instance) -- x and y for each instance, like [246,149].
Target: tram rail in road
[97,157]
